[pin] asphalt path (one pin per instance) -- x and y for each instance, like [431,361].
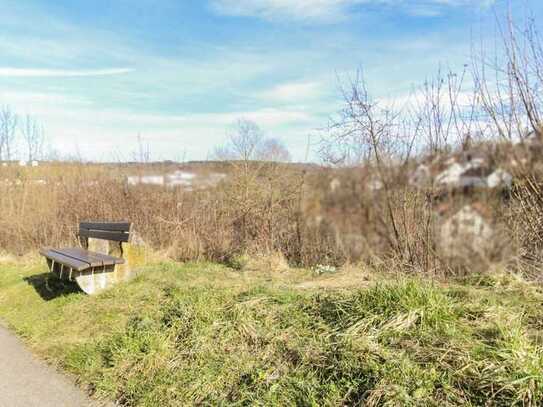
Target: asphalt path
[25,381]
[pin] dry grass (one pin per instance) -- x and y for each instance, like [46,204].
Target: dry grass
[286,210]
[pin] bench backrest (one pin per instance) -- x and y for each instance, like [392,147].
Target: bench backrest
[115,231]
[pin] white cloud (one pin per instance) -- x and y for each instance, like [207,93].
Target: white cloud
[417,99]
[25,97]
[326,11]
[74,125]
[293,92]
[94,133]
[320,10]
[49,73]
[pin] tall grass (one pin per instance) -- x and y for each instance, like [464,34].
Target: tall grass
[206,335]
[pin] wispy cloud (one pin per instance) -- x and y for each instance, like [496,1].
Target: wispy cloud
[49,73]
[316,10]
[326,11]
[293,92]
[74,126]
[186,89]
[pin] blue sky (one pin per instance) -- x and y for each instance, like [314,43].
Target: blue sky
[180,73]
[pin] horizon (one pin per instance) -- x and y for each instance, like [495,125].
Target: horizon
[100,77]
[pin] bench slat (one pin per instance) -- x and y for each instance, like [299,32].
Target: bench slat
[92,262]
[106,235]
[65,260]
[106,226]
[80,259]
[93,258]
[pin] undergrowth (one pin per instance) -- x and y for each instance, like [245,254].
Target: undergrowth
[202,334]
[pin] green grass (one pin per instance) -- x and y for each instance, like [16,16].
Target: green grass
[207,335]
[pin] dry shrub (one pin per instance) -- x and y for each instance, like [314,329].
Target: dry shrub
[362,211]
[302,215]
[267,262]
[253,211]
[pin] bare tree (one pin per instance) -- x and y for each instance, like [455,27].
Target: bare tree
[243,142]
[254,186]
[509,81]
[273,149]
[247,143]
[33,138]
[8,126]
[366,133]
[509,84]
[445,110]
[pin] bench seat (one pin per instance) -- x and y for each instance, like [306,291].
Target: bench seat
[79,259]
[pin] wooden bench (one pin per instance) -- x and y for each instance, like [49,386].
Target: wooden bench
[92,270]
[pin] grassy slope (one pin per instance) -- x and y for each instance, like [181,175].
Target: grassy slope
[187,334]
